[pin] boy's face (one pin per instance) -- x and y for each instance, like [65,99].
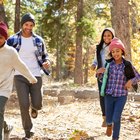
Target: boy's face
[2,40]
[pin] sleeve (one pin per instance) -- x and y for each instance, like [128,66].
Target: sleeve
[94,62]
[9,42]
[19,65]
[136,79]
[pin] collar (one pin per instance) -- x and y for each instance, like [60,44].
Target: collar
[105,45]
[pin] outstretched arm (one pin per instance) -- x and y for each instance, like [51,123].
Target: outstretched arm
[19,65]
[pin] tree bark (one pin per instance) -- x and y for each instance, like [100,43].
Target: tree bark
[58,65]
[86,67]
[17,16]
[78,73]
[120,23]
[2,13]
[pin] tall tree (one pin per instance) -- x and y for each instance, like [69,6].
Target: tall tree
[78,73]
[17,16]
[120,22]
[2,12]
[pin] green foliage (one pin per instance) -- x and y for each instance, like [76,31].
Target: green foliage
[79,134]
[87,27]
[56,23]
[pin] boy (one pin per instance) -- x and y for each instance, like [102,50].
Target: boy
[9,61]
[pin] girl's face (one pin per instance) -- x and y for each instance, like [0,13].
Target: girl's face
[117,54]
[107,37]
[27,29]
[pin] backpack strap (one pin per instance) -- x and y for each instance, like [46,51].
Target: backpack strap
[105,79]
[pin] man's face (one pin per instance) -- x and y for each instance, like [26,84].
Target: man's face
[27,29]
[2,40]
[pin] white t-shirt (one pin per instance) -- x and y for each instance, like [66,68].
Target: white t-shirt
[9,61]
[104,55]
[27,54]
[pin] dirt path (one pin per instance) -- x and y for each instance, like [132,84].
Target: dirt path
[58,122]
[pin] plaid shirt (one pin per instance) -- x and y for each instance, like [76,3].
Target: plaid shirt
[117,80]
[40,53]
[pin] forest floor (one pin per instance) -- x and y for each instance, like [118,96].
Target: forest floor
[77,118]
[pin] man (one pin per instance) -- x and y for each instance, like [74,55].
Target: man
[32,51]
[9,61]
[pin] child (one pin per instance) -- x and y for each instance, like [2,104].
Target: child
[9,61]
[117,87]
[102,51]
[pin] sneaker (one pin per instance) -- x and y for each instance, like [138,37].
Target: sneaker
[109,130]
[28,135]
[34,113]
[104,122]
[7,128]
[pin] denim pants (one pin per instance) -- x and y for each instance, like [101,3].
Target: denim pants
[114,107]
[3,101]
[28,95]
[102,99]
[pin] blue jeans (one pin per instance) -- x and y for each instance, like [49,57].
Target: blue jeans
[3,101]
[114,107]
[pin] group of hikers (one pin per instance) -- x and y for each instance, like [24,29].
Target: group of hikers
[24,54]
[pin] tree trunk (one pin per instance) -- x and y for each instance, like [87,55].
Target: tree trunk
[2,12]
[133,17]
[78,73]
[120,23]
[86,67]
[58,63]
[17,16]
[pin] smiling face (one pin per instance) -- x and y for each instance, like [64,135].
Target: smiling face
[117,54]
[27,29]
[2,40]
[107,37]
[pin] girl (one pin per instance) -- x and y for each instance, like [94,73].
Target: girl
[117,86]
[99,61]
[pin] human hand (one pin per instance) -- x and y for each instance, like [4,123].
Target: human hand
[100,70]
[128,84]
[93,67]
[46,64]
[33,81]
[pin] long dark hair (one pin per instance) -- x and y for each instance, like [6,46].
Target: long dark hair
[100,45]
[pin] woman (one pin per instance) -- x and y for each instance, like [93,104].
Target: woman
[102,50]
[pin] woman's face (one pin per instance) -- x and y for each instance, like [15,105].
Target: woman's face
[107,37]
